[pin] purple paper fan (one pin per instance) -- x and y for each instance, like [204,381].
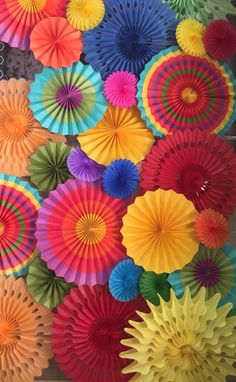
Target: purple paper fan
[82,167]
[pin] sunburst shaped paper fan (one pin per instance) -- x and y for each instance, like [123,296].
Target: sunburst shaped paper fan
[19,204]
[121,134]
[20,133]
[68,100]
[25,328]
[174,93]
[85,14]
[78,232]
[189,35]
[158,231]
[182,340]
[18,17]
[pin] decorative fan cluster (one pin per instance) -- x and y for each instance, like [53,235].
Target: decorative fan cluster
[115,112]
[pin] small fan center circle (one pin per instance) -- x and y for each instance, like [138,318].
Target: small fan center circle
[207,273]
[2,228]
[9,331]
[189,95]
[69,97]
[32,5]
[131,44]
[90,228]
[192,181]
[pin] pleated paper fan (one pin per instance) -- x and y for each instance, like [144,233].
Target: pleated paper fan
[68,100]
[220,39]
[48,166]
[18,18]
[202,10]
[25,327]
[55,43]
[174,93]
[152,286]
[86,334]
[121,134]
[82,167]
[44,286]
[189,36]
[85,14]
[20,133]
[131,33]
[212,269]
[184,340]
[158,231]
[120,89]
[187,163]
[19,205]
[78,233]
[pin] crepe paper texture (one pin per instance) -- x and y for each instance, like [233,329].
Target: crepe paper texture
[85,14]
[153,285]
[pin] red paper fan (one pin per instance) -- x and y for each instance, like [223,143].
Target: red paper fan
[199,165]
[87,331]
[220,39]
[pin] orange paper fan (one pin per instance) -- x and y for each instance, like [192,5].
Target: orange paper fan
[20,133]
[212,228]
[56,43]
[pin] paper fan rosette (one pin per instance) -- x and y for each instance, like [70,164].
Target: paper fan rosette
[48,166]
[55,43]
[82,167]
[86,334]
[19,205]
[153,286]
[184,340]
[68,100]
[199,165]
[131,33]
[25,327]
[18,18]
[158,231]
[212,269]
[20,133]
[44,286]
[177,91]
[85,14]
[121,134]
[78,233]
[189,36]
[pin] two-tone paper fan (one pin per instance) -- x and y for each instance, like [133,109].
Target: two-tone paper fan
[153,286]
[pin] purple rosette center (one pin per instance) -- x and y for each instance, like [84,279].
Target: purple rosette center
[69,97]
[207,273]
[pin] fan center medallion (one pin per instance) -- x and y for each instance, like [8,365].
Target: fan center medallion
[189,95]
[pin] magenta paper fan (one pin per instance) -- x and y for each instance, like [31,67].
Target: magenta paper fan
[78,232]
[82,167]
[120,89]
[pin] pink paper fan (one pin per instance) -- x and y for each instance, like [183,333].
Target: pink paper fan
[120,89]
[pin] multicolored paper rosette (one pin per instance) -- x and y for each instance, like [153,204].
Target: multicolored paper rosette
[199,165]
[124,280]
[214,270]
[18,18]
[68,100]
[152,286]
[158,231]
[85,14]
[202,10]
[121,134]
[44,286]
[129,35]
[220,39]
[20,133]
[120,89]
[189,36]
[55,43]
[78,233]
[82,167]
[177,91]
[48,166]
[25,327]
[182,340]
[86,334]
[19,205]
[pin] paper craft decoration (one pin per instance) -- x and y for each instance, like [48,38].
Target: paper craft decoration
[152,286]
[189,36]
[82,167]
[120,89]
[85,14]
[220,39]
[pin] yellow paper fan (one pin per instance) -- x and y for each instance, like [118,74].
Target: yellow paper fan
[85,14]
[189,35]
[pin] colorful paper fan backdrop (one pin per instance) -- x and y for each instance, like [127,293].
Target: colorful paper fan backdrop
[44,286]
[25,328]
[121,134]
[68,100]
[152,286]
[182,340]
[55,43]
[220,39]
[129,35]
[82,167]
[189,36]
[86,334]
[85,14]
[199,165]
[78,233]
[120,89]
[20,133]
[202,10]
[48,166]
[178,92]
[18,18]
[214,270]
[19,204]
[158,231]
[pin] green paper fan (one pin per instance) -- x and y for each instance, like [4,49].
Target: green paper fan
[44,286]
[48,166]
[151,285]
